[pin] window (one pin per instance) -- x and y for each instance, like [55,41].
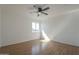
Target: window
[35,27]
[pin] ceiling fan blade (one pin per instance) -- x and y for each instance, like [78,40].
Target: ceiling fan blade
[35,6]
[44,13]
[46,8]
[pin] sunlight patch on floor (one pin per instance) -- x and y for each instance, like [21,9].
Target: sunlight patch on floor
[46,38]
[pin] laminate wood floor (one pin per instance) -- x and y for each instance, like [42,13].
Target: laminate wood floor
[38,47]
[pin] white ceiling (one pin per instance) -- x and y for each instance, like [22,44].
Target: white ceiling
[55,9]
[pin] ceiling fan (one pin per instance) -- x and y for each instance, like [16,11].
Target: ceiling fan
[40,10]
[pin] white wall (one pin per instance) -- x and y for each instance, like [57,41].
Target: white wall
[63,28]
[0,28]
[16,25]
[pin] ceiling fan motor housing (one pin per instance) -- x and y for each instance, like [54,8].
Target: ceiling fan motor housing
[39,9]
